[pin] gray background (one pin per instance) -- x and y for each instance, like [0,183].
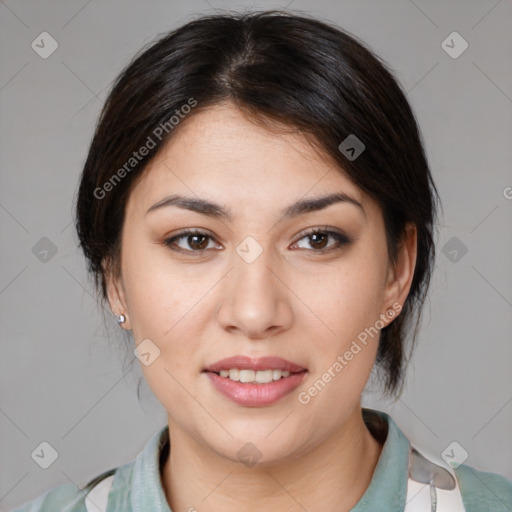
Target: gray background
[62,369]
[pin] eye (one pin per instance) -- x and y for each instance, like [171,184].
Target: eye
[320,236]
[195,239]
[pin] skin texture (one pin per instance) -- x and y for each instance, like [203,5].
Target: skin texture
[292,301]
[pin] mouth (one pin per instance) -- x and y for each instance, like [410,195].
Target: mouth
[255,382]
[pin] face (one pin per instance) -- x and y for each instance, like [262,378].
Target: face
[256,282]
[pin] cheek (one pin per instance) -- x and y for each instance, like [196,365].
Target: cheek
[167,304]
[165,307]
[161,296]
[345,341]
[343,300]
[347,300]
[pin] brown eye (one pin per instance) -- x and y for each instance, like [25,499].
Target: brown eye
[319,240]
[196,241]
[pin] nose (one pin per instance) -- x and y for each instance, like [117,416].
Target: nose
[255,299]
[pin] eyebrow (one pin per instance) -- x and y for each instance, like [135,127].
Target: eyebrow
[215,210]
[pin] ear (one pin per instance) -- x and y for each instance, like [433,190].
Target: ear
[399,278]
[116,294]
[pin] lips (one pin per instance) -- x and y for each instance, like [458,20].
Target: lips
[259,393]
[256,395]
[248,363]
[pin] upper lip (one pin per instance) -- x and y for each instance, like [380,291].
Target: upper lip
[253,363]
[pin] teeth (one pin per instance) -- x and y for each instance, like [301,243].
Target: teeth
[257,377]
[246,375]
[263,376]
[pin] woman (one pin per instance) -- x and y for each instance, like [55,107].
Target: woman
[257,209]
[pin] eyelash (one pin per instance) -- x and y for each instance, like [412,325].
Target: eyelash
[341,240]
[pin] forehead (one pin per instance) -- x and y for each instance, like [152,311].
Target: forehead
[219,154]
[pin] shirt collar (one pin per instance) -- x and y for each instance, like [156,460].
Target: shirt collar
[387,489]
[147,490]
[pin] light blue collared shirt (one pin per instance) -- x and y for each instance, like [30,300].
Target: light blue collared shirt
[137,486]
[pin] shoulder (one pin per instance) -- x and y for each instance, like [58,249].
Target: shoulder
[483,490]
[138,476]
[65,497]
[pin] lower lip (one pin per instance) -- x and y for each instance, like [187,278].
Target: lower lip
[256,395]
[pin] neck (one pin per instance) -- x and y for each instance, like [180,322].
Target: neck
[331,476]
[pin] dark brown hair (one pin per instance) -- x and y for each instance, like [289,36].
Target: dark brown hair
[285,69]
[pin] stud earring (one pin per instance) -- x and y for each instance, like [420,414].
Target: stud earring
[391,314]
[120,319]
